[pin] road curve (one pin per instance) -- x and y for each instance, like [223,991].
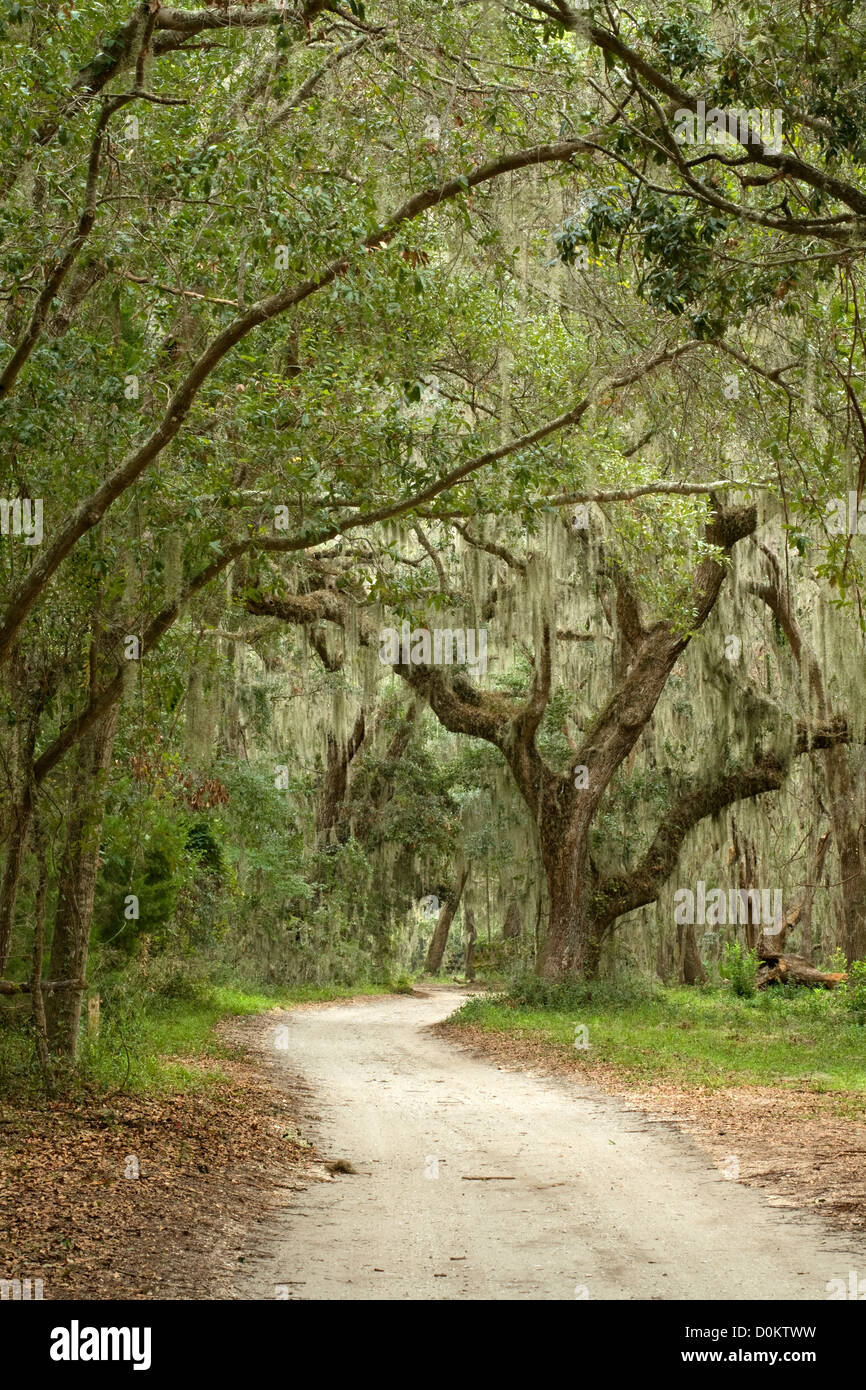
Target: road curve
[587,1198]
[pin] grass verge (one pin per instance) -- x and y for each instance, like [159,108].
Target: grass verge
[690,1038]
[139,1178]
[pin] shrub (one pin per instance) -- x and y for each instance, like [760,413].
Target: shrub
[186,980]
[854,991]
[739,967]
[565,996]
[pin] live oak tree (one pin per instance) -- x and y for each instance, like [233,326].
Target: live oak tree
[585,900]
[276,275]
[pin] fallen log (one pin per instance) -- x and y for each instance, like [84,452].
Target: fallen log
[11,987]
[795,970]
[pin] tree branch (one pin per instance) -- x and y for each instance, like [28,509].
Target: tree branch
[787,164]
[617,894]
[90,512]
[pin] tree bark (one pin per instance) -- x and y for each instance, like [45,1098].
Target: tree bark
[26,986]
[845,809]
[512,926]
[77,885]
[572,943]
[795,970]
[747,876]
[469,920]
[335,782]
[439,939]
[40,1025]
[16,830]
[848,832]
[691,970]
[16,844]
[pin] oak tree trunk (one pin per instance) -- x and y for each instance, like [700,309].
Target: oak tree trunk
[16,842]
[469,921]
[691,970]
[511,927]
[77,884]
[439,940]
[848,819]
[334,786]
[572,943]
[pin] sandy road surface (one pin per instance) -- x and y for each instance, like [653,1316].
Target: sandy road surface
[600,1198]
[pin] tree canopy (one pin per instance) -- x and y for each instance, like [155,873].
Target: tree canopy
[523,319]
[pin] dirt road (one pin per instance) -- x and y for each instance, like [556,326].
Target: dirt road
[586,1198]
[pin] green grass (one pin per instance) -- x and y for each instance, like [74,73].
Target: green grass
[179,1027]
[176,1030]
[697,1037]
[162,1045]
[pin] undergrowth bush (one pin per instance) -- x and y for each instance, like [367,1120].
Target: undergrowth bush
[565,996]
[739,967]
[853,993]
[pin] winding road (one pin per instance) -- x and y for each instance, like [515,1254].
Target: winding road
[477,1182]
